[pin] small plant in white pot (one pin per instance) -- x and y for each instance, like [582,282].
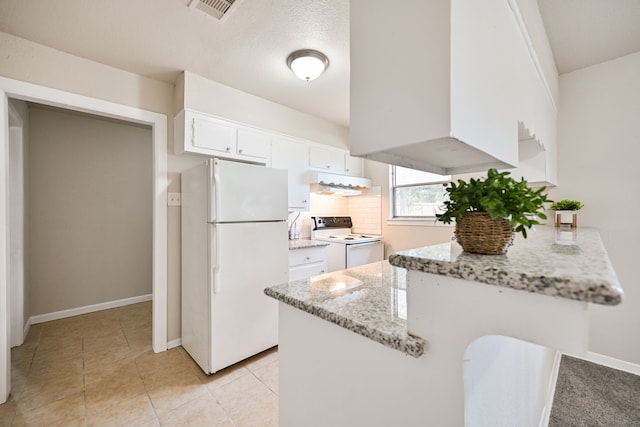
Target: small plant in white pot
[565,212]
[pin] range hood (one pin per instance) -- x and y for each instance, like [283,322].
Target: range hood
[331,183]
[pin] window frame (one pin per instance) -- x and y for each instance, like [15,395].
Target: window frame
[395,219]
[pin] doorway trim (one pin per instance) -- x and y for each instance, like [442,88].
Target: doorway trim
[10,88]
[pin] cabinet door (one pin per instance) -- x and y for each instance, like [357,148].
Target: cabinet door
[294,157]
[253,143]
[326,159]
[306,271]
[352,165]
[213,134]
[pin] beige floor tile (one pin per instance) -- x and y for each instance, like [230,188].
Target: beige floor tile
[222,377]
[133,411]
[34,334]
[125,376]
[102,329]
[107,360]
[269,375]
[105,342]
[26,351]
[7,412]
[56,358]
[139,340]
[68,411]
[21,368]
[202,411]
[54,368]
[261,359]
[47,344]
[159,368]
[175,392]
[68,326]
[18,381]
[43,391]
[50,349]
[248,402]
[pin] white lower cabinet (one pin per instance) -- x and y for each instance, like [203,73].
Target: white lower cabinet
[307,262]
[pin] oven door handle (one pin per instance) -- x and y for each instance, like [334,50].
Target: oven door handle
[360,245]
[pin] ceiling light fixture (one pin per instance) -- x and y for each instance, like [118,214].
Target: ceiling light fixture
[307,64]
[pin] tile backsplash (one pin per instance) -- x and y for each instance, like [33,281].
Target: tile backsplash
[365,211]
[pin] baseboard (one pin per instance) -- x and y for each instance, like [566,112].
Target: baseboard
[27,327]
[551,391]
[40,318]
[612,362]
[174,343]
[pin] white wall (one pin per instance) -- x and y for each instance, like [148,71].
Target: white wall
[90,210]
[598,152]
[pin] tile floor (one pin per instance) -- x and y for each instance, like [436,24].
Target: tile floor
[98,369]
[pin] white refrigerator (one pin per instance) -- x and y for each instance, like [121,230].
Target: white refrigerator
[234,244]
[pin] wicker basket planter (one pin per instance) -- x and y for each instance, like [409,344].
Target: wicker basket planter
[478,233]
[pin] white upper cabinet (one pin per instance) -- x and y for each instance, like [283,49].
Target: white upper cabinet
[326,159]
[334,160]
[289,154]
[212,134]
[353,165]
[253,143]
[444,87]
[200,133]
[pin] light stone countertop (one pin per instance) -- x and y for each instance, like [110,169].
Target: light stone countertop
[566,263]
[306,243]
[370,300]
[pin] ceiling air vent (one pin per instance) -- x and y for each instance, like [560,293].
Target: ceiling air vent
[216,8]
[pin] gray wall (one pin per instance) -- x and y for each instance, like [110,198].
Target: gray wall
[90,210]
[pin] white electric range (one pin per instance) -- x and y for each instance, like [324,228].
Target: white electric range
[346,249]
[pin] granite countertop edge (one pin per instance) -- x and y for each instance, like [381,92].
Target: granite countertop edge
[593,291]
[305,244]
[413,346]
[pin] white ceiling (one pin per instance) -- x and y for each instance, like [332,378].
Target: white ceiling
[588,32]
[248,51]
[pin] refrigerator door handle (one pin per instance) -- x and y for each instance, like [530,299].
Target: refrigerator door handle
[214,274]
[212,194]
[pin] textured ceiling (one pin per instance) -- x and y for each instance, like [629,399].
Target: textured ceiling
[159,38]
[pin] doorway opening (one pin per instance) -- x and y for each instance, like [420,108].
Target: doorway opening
[14,89]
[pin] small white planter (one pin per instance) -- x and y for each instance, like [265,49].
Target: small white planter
[566,218]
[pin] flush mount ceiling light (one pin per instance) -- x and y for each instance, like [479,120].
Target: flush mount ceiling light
[307,64]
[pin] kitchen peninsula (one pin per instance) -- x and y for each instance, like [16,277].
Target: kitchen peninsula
[441,337]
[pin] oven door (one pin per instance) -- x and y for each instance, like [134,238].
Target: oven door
[336,257]
[364,253]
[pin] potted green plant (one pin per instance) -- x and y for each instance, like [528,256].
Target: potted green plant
[489,211]
[565,212]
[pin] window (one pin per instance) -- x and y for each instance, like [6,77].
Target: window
[416,194]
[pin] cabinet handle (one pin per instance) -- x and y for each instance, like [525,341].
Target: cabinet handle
[321,271]
[307,259]
[304,201]
[328,166]
[240,151]
[228,148]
